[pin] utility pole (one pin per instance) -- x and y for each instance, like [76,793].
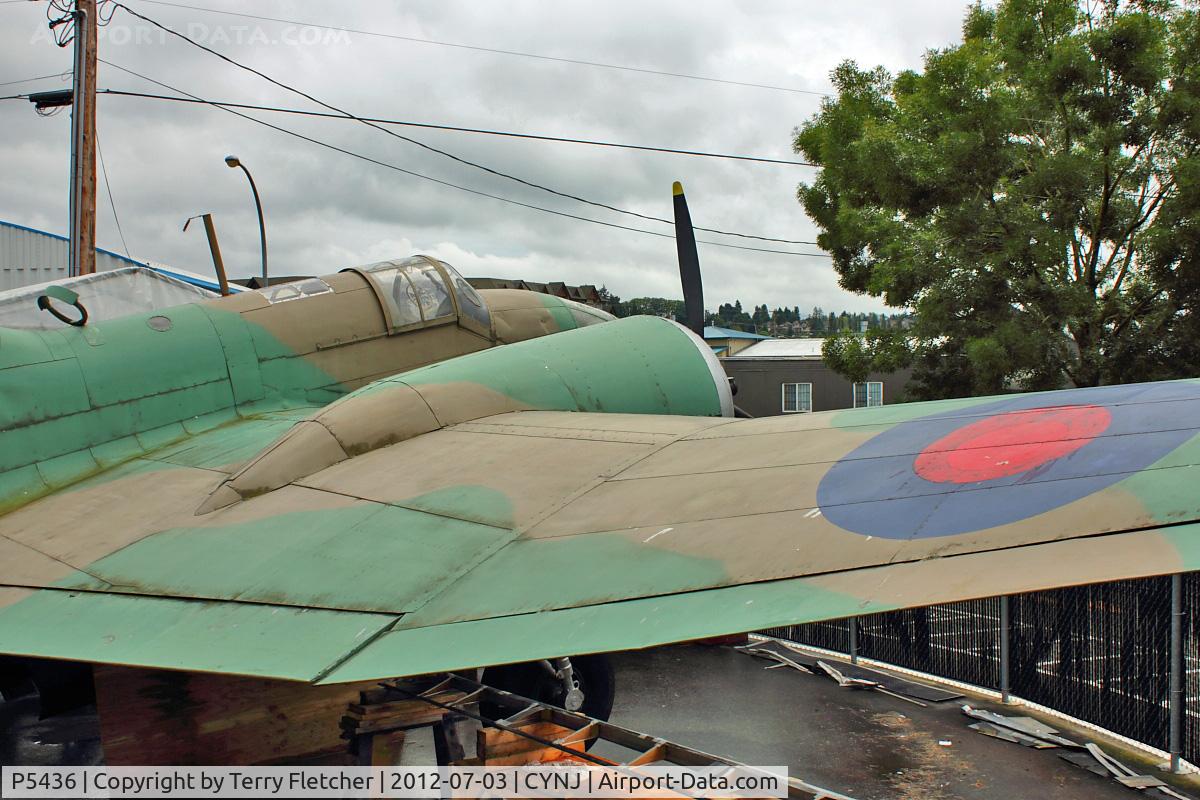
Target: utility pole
[83,142]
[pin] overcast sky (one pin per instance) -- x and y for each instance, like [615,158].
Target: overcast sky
[326,210]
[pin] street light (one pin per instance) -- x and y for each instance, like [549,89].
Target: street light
[233,162]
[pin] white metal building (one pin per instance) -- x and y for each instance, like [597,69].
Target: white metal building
[32,256]
[31,260]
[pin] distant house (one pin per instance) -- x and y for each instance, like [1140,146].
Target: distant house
[788,376]
[586,293]
[727,342]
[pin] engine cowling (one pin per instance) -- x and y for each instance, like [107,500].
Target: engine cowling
[638,365]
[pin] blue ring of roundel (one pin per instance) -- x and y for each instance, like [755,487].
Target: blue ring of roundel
[874,490]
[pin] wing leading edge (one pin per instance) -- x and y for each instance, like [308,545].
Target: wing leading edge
[540,533]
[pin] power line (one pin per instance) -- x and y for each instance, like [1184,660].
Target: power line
[467,162]
[486,131]
[449,184]
[495,50]
[111,203]
[40,77]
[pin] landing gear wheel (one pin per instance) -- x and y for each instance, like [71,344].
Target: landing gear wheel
[593,674]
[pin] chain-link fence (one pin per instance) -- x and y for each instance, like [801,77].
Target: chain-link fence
[1101,653]
[832,635]
[1191,666]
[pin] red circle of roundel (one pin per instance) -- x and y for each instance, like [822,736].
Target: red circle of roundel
[1010,443]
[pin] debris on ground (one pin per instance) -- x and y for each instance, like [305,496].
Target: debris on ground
[1088,755]
[1023,730]
[848,676]
[862,683]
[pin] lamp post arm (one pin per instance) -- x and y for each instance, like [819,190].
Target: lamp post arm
[262,229]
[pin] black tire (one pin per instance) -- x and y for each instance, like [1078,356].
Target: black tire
[594,673]
[14,678]
[62,686]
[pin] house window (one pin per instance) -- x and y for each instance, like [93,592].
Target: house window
[797,398]
[868,394]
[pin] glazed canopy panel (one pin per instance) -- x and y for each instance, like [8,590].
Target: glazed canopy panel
[425,291]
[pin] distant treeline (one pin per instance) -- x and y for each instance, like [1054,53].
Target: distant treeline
[781,322]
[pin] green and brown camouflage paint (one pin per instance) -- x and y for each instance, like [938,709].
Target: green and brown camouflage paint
[76,401]
[575,493]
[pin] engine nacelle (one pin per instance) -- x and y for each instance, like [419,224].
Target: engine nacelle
[639,365]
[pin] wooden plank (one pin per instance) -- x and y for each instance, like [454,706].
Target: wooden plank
[589,731]
[506,748]
[165,717]
[537,755]
[386,749]
[656,753]
[370,717]
[402,708]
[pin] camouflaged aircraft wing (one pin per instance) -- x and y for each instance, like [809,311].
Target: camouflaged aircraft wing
[590,492]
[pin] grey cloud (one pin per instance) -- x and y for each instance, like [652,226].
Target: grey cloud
[327,210]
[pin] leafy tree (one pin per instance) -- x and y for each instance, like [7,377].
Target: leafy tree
[653,306]
[856,357]
[1033,195]
[608,300]
[732,316]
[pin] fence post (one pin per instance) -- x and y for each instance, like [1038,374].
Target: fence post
[1005,684]
[1176,679]
[853,621]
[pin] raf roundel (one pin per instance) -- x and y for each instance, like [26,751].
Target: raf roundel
[993,464]
[1010,443]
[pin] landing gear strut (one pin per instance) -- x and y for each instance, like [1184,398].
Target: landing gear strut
[579,683]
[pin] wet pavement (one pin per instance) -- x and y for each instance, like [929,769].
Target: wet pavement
[860,743]
[864,744]
[72,738]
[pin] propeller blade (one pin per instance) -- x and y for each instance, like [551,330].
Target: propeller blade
[689,262]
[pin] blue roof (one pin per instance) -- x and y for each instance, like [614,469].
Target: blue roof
[713,332]
[196,280]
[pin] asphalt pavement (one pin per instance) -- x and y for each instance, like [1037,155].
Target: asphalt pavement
[864,744]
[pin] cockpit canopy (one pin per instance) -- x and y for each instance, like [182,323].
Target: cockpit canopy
[422,292]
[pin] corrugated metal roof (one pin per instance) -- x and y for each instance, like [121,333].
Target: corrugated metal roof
[783,348]
[713,332]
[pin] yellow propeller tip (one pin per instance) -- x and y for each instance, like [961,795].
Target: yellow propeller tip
[676,188]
